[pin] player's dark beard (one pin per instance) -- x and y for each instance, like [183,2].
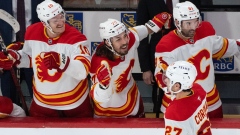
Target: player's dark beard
[189,33]
[120,52]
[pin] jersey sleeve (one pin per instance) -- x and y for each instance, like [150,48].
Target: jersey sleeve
[25,61]
[97,93]
[223,47]
[141,31]
[80,58]
[164,55]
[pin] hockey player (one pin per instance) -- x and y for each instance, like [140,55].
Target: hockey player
[114,90]
[194,41]
[10,109]
[59,56]
[187,113]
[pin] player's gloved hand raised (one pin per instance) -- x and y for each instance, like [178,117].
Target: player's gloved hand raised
[158,21]
[10,58]
[54,60]
[15,46]
[104,75]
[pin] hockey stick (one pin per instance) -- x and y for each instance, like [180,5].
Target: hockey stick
[5,16]
[15,25]
[157,103]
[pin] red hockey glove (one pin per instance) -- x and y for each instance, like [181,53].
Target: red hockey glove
[11,58]
[6,107]
[15,46]
[5,62]
[54,60]
[15,56]
[160,79]
[104,75]
[159,20]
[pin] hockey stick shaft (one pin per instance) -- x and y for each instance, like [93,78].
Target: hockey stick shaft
[10,20]
[15,80]
[16,27]
[157,107]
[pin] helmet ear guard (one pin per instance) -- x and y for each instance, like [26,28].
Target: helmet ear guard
[181,72]
[185,11]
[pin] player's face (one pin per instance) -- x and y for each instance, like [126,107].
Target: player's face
[120,43]
[166,81]
[174,88]
[57,23]
[189,27]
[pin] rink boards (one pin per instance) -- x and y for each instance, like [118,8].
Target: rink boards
[90,126]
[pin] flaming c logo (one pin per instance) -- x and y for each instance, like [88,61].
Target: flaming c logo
[124,79]
[198,60]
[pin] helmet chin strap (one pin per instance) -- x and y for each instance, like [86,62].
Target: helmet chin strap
[170,94]
[111,48]
[48,27]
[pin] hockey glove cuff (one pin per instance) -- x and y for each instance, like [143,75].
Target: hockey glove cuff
[158,21]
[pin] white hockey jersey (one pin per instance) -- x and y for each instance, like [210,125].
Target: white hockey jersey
[188,115]
[200,51]
[52,89]
[122,97]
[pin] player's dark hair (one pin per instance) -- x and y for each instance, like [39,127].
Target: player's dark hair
[103,51]
[187,90]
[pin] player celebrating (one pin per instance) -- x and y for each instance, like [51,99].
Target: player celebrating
[59,56]
[114,90]
[187,113]
[196,42]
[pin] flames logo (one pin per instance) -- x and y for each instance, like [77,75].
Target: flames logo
[124,78]
[198,61]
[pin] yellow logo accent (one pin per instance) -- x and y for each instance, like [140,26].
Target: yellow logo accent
[76,23]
